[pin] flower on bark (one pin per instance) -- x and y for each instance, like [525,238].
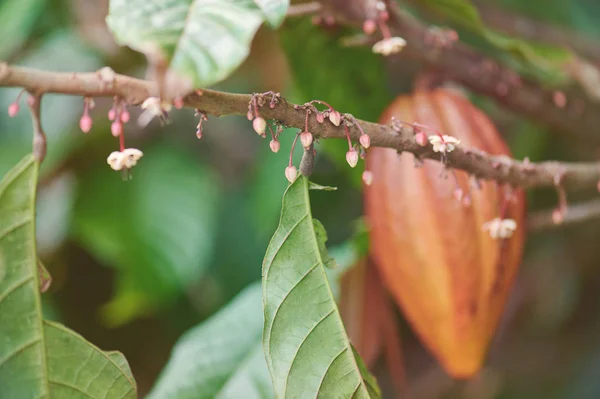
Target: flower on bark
[443,143]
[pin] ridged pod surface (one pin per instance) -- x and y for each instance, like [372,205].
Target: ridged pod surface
[448,275]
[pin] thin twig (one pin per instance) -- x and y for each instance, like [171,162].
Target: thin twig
[542,220]
[401,138]
[39,137]
[307,163]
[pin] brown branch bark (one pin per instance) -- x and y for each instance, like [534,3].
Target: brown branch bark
[472,160]
[579,117]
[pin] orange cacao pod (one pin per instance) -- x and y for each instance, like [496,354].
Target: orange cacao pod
[449,276]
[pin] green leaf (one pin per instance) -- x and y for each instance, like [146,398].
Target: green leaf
[308,351]
[38,358]
[203,40]
[221,358]
[17,20]
[545,62]
[157,229]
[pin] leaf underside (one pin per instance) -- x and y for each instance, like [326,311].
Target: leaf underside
[41,359]
[202,40]
[221,358]
[306,345]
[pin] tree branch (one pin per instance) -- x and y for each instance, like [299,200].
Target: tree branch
[522,26]
[575,213]
[577,115]
[399,137]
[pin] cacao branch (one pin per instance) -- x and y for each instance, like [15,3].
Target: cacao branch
[402,138]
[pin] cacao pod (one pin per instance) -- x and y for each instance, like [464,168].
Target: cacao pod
[449,276]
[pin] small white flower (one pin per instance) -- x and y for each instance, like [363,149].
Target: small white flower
[500,228]
[443,144]
[115,160]
[389,46]
[124,159]
[154,106]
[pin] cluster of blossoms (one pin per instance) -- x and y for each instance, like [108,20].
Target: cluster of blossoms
[260,125]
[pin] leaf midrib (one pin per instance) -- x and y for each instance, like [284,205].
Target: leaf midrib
[338,318]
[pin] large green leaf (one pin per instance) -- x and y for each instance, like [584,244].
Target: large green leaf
[203,40]
[308,351]
[221,358]
[157,228]
[543,61]
[41,359]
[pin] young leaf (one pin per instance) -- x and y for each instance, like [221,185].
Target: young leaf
[202,40]
[40,359]
[221,358]
[306,345]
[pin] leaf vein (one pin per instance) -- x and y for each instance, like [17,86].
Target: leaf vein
[19,350]
[15,287]
[14,227]
[64,384]
[301,344]
[327,369]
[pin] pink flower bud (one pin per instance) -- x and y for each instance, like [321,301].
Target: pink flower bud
[335,117]
[31,101]
[275,145]
[13,109]
[116,128]
[259,125]
[306,138]
[178,102]
[369,27]
[199,133]
[112,114]
[291,173]
[384,15]
[352,157]
[421,139]
[125,116]
[367,177]
[466,200]
[557,216]
[85,123]
[365,140]
[458,194]
[250,115]
[320,117]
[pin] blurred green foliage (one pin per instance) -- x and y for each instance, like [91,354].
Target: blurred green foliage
[189,231]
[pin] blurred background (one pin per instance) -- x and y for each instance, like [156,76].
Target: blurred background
[136,263]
